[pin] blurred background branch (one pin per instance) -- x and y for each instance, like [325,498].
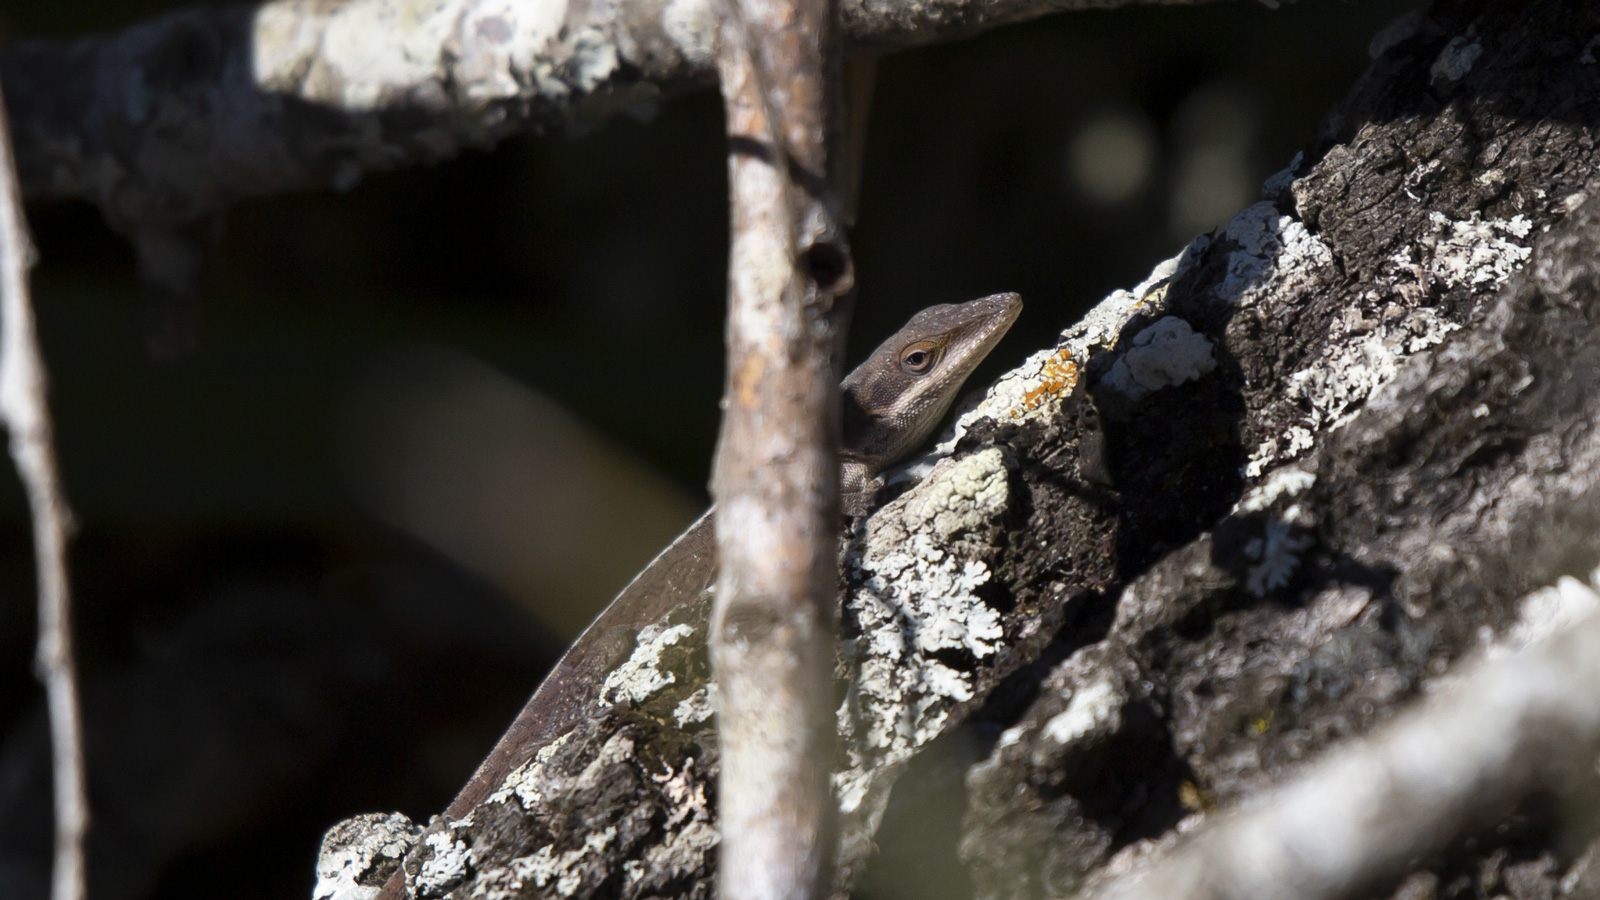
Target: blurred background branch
[174,119]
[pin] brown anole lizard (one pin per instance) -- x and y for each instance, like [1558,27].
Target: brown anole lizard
[891,403]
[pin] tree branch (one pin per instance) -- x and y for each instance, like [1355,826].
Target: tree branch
[1362,815]
[174,119]
[1384,438]
[1513,724]
[26,414]
[776,476]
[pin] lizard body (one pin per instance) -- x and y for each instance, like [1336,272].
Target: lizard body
[891,404]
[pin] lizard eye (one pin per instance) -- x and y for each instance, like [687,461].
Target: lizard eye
[918,358]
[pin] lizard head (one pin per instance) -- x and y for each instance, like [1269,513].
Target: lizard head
[895,399]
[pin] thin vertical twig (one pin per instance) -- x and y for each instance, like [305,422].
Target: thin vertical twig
[26,415]
[776,476]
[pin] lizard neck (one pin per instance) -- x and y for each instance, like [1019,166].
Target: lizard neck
[855,484]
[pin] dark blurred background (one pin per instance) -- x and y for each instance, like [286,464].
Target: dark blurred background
[433,423]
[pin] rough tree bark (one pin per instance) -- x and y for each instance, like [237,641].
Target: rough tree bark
[1242,512]
[174,119]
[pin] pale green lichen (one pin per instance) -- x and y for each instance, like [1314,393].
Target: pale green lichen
[971,492]
[920,563]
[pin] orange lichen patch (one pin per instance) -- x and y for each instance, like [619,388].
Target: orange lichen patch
[747,378]
[1195,798]
[1058,378]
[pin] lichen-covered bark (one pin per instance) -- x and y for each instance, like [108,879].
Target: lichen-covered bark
[1242,511]
[172,120]
[1393,459]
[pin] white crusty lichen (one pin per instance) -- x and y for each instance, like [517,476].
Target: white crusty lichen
[693,25]
[1476,252]
[1335,386]
[523,782]
[690,825]
[498,42]
[1275,553]
[451,863]
[361,55]
[546,867]
[690,836]
[634,681]
[1093,710]
[1287,482]
[367,55]
[969,493]
[698,707]
[1286,444]
[920,564]
[1166,353]
[642,676]
[353,850]
[1275,256]
[1341,381]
